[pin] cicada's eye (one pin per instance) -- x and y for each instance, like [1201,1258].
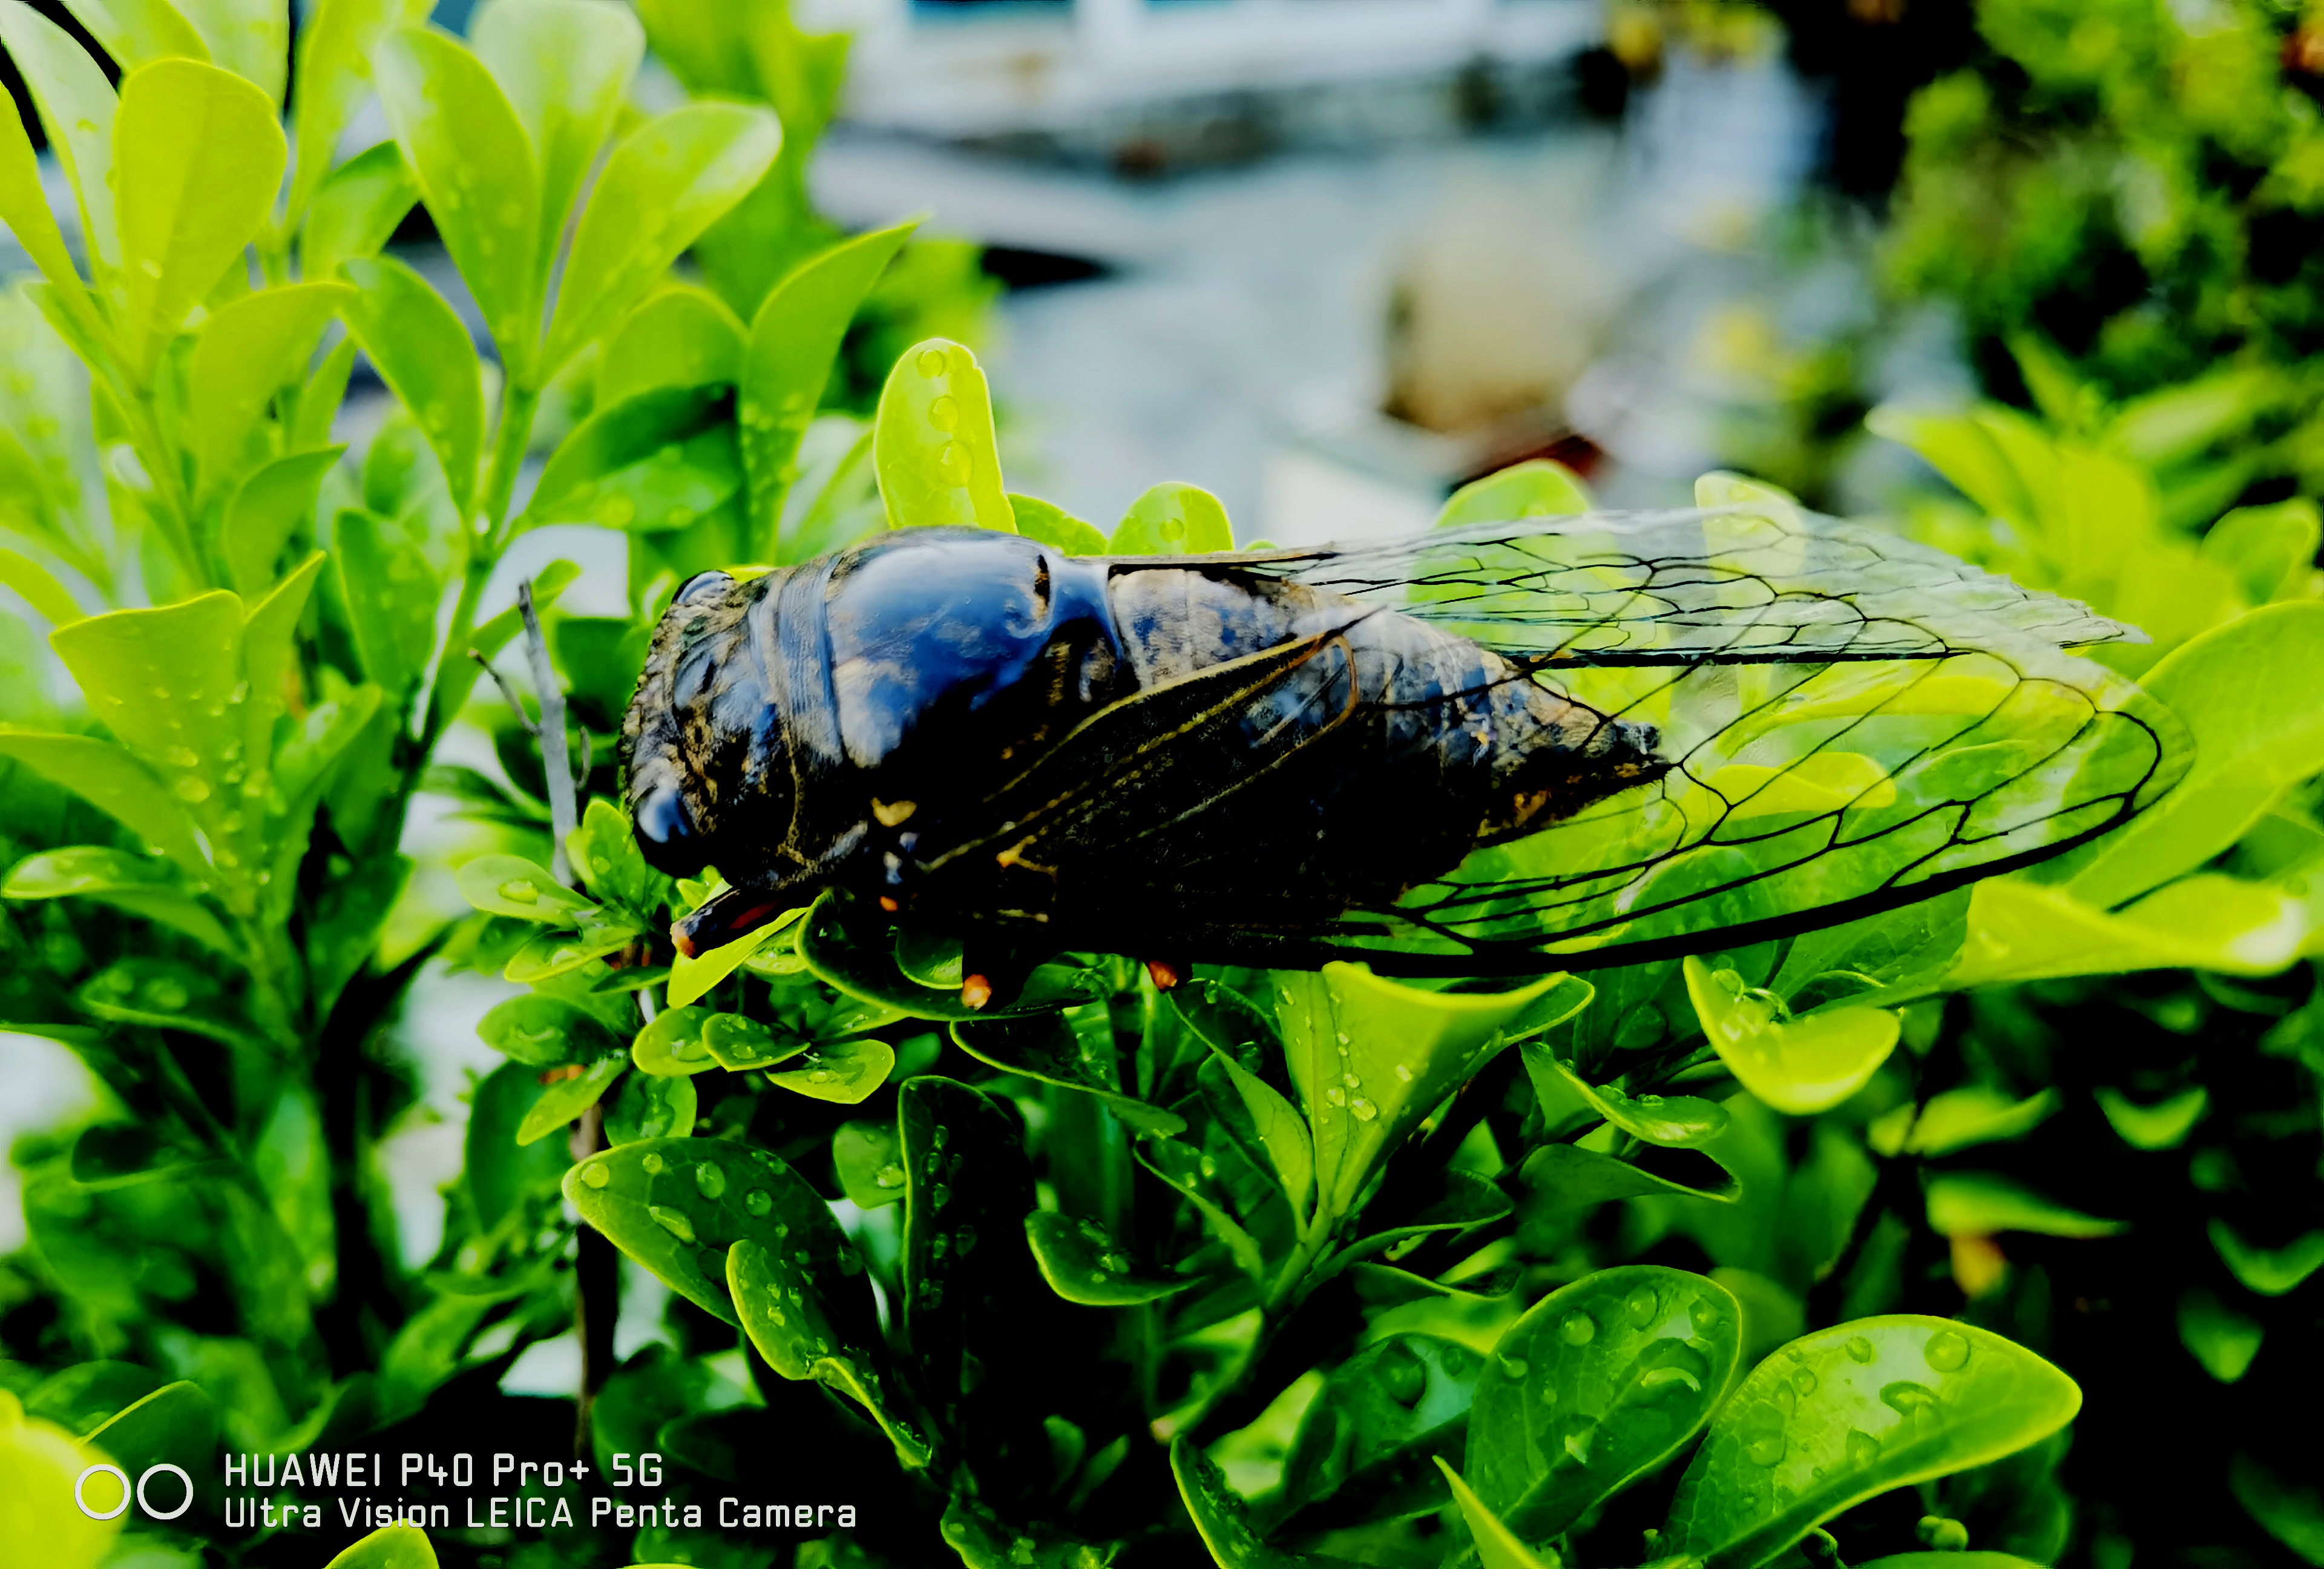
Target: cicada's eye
[665,831]
[702,587]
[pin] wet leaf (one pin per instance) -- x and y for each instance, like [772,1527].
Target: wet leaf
[543,1031]
[1597,1386]
[513,886]
[140,885]
[199,163]
[1497,1547]
[391,596]
[1053,525]
[869,1161]
[1961,1118]
[1672,1121]
[1537,488]
[1366,1442]
[741,1043]
[1264,1126]
[423,353]
[1575,1178]
[785,1315]
[555,953]
[967,1189]
[933,445]
[1083,1264]
[566,1098]
[1800,1066]
[693,977]
[565,69]
[1173,519]
[335,40]
[682,336]
[266,511]
[245,353]
[844,1072]
[177,1423]
[672,1045]
[1220,1516]
[663,459]
[390,1547]
[1048,1047]
[648,1106]
[1849,1412]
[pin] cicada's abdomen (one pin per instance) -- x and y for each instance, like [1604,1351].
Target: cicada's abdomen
[1398,747]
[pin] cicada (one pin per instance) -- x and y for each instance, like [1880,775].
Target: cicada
[1549,745]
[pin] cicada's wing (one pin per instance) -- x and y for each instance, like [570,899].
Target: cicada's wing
[1854,722]
[1729,585]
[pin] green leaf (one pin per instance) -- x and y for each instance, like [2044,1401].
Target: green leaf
[1047,1048]
[1467,1200]
[135,31]
[664,459]
[967,1189]
[177,1423]
[141,887]
[2162,1126]
[794,342]
[1085,1265]
[244,354]
[1221,1518]
[1264,1126]
[672,1045]
[1800,1066]
[358,209]
[1497,1547]
[558,953]
[1852,1411]
[477,173]
[2291,1513]
[2269,1272]
[870,1164]
[391,595]
[266,512]
[24,203]
[2270,550]
[424,354]
[1371,1058]
[664,183]
[544,1031]
[249,38]
[198,160]
[1961,1118]
[843,1072]
[648,1106]
[77,108]
[1537,488]
[840,959]
[1978,1204]
[116,783]
[1576,1178]
[42,1462]
[1941,1560]
[681,336]
[2021,930]
[1672,1121]
[320,399]
[2222,1339]
[1053,525]
[692,976]
[1180,1166]
[985,1541]
[389,1547]
[1597,1386]
[1366,1440]
[336,39]
[1173,519]
[511,885]
[566,1098]
[37,587]
[738,1044]
[787,1316]
[2230,686]
[564,65]
[497,1169]
[932,444]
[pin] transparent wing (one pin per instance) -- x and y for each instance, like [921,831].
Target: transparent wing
[1736,584]
[1853,723]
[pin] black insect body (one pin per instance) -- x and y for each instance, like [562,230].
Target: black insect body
[942,719]
[1543,745]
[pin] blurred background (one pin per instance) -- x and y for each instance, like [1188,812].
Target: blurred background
[1330,259]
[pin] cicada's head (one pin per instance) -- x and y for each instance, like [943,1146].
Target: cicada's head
[700,732]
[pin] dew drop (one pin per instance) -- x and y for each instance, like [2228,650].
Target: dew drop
[1403,1073]
[192,790]
[672,1221]
[1098,1276]
[1640,1306]
[652,1163]
[1803,1379]
[822,1075]
[931,362]
[1364,1110]
[944,413]
[888,1176]
[1860,1348]
[1336,1096]
[1350,1080]
[1578,1439]
[183,757]
[1667,1377]
[710,1179]
[1704,1313]
[1515,1367]
[1763,1448]
[595,1176]
[758,1201]
[1863,1448]
[952,463]
[1946,1352]
[964,1240]
[1908,1400]
[1577,1328]
[520,891]
[939,1195]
